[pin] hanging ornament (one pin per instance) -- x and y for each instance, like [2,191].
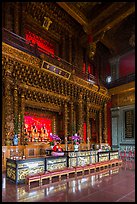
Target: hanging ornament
[91,47]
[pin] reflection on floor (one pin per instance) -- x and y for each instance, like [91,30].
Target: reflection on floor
[111,185]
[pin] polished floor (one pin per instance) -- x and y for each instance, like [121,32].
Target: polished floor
[111,185]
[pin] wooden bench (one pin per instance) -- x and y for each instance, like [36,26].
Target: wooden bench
[86,168]
[45,176]
[92,167]
[68,171]
[71,170]
[33,178]
[116,162]
[60,173]
[79,169]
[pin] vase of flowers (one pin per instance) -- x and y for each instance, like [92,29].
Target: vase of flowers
[76,146]
[54,138]
[76,139]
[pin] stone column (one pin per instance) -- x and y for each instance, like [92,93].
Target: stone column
[70,49]
[66,125]
[100,127]
[80,117]
[22,117]
[88,125]
[105,123]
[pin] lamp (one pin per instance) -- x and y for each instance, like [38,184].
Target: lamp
[91,47]
[92,50]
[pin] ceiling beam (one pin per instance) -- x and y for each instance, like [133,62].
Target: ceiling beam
[104,13]
[123,14]
[110,45]
[75,13]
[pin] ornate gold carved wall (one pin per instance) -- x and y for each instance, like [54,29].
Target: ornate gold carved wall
[123,95]
[45,90]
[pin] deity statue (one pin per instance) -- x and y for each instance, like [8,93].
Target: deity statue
[26,130]
[34,133]
[57,147]
[44,133]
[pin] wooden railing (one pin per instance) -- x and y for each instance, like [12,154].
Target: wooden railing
[123,80]
[33,49]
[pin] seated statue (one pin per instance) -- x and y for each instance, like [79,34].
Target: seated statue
[44,133]
[57,148]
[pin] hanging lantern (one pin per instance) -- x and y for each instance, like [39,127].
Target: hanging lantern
[92,50]
[91,47]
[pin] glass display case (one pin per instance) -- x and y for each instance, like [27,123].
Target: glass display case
[78,158]
[83,158]
[113,155]
[93,157]
[55,162]
[107,155]
[103,156]
[17,170]
[72,158]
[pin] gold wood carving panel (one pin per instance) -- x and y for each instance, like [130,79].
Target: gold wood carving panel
[47,106]
[127,98]
[123,88]
[100,91]
[94,106]
[19,55]
[44,92]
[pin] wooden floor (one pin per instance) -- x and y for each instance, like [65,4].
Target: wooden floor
[116,184]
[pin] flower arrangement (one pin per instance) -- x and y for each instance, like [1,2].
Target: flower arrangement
[76,138]
[54,138]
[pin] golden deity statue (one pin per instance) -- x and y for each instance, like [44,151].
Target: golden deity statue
[34,133]
[44,134]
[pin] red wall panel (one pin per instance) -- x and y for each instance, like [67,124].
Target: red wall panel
[127,65]
[39,122]
[40,42]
